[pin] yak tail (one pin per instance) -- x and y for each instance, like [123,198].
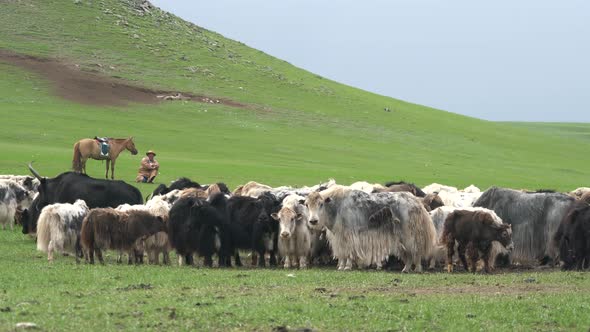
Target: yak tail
[76,162]
[448,226]
[44,231]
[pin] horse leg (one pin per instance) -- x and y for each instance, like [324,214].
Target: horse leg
[106,176]
[83,164]
[113,169]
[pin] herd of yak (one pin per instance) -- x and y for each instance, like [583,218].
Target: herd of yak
[363,225]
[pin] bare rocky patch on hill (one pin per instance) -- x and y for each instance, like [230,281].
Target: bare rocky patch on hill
[71,83]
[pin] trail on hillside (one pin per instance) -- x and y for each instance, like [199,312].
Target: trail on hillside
[70,83]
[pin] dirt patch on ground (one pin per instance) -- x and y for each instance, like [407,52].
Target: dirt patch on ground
[70,83]
[490,290]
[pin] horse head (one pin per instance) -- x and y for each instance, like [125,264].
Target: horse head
[131,146]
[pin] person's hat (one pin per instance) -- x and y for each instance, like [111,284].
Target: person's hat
[150,151]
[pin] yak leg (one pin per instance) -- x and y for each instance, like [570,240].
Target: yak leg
[208,261]
[166,257]
[90,255]
[228,261]
[156,257]
[273,259]
[99,255]
[473,256]
[108,163]
[579,263]
[237,258]
[261,259]
[180,260]
[417,263]
[50,251]
[188,258]
[221,260]
[486,257]
[450,253]
[287,262]
[341,263]
[461,249]
[303,262]
[78,250]
[407,259]
[153,257]
[348,265]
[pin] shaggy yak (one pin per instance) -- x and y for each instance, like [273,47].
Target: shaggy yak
[474,231]
[294,235]
[439,216]
[534,217]
[198,226]
[252,227]
[367,228]
[158,243]
[107,228]
[59,228]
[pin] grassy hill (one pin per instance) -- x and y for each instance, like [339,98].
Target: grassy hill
[299,128]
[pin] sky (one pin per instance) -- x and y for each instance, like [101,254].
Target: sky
[502,60]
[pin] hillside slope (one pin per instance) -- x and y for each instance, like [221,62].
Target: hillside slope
[298,128]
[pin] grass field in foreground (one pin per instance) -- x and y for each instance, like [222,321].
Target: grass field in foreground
[65,296]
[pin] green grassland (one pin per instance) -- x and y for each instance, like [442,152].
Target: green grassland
[299,129]
[66,296]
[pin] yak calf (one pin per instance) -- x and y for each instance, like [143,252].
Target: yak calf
[106,228]
[473,231]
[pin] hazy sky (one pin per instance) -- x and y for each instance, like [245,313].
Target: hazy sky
[522,60]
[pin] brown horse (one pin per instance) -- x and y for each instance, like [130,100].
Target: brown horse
[90,148]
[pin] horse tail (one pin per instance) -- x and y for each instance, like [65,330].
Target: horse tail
[76,162]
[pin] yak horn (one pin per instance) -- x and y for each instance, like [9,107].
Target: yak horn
[35,172]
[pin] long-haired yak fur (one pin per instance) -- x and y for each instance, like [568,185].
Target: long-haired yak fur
[106,228]
[534,217]
[253,228]
[59,228]
[368,228]
[158,243]
[474,231]
[573,238]
[198,226]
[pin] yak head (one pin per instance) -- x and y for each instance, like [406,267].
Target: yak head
[31,215]
[315,203]
[287,219]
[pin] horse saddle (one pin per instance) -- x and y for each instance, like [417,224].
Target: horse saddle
[103,143]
